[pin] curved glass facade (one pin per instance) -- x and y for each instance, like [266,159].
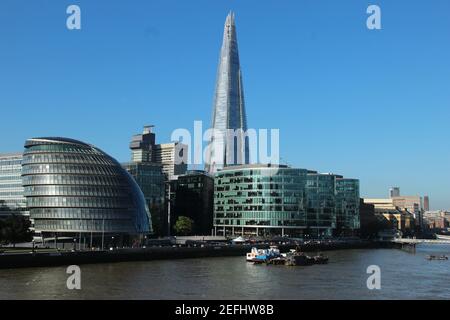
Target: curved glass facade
[73,187]
[260,200]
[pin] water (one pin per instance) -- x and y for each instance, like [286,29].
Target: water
[403,276]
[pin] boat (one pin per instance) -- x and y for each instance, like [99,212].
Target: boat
[442,236]
[433,257]
[263,255]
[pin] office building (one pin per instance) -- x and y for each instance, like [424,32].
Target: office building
[172,157]
[12,200]
[142,145]
[394,192]
[149,176]
[347,206]
[426,203]
[193,198]
[397,218]
[260,200]
[321,203]
[74,189]
[229,107]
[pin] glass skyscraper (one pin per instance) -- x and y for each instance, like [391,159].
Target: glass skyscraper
[229,107]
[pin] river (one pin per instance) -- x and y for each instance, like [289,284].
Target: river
[403,276]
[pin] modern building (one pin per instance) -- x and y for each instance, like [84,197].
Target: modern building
[149,176]
[229,107]
[74,189]
[426,203]
[142,145]
[12,200]
[193,197]
[347,206]
[394,192]
[321,203]
[280,200]
[261,200]
[173,158]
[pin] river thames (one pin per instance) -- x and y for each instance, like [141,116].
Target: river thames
[403,276]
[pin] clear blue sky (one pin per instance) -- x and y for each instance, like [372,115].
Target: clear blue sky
[373,105]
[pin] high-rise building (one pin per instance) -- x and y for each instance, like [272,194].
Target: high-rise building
[74,189]
[12,200]
[347,205]
[426,203]
[173,158]
[229,107]
[142,145]
[149,176]
[193,197]
[394,192]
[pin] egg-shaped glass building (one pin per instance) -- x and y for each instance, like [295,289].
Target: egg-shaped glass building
[75,188]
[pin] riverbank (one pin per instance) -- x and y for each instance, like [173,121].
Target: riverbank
[59,258]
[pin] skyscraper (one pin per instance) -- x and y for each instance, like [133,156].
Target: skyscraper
[394,192]
[229,107]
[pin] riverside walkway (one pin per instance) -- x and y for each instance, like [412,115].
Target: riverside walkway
[417,241]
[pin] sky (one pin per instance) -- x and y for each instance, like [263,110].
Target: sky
[367,104]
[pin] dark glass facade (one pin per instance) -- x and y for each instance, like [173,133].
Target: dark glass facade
[347,206]
[12,200]
[193,197]
[150,179]
[74,187]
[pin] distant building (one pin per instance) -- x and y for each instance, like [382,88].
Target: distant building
[75,190]
[12,199]
[394,192]
[142,146]
[149,176]
[172,157]
[426,203]
[193,197]
[413,204]
[398,218]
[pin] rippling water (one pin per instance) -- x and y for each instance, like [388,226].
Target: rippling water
[403,276]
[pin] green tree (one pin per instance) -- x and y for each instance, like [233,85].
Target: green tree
[15,229]
[184,226]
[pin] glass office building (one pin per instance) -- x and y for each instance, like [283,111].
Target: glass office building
[347,206]
[321,203]
[150,179]
[72,187]
[265,200]
[12,200]
[260,200]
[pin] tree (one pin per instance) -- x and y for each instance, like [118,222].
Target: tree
[15,229]
[184,226]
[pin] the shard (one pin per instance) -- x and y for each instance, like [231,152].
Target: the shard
[227,148]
